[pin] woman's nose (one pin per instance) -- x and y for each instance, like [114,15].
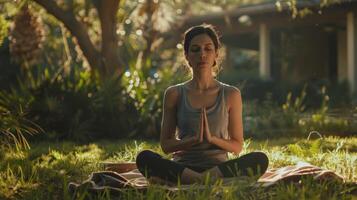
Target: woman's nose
[201,53]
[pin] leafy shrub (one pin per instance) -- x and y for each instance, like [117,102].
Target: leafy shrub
[15,124]
[269,119]
[81,106]
[145,89]
[321,120]
[277,90]
[295,118]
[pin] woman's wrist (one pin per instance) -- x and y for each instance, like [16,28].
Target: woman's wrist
[187,142]
[213,139]
[175,144]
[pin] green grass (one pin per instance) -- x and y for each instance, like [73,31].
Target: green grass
[44,171]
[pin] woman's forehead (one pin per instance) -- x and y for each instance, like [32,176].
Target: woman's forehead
[202,39]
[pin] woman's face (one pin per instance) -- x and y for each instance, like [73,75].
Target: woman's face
[201,52]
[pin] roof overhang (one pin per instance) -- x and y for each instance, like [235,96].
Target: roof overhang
[229,22]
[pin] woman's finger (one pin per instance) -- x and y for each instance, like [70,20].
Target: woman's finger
[205,116]
[207,131]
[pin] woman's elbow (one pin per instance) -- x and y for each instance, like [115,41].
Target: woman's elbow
[237,148]
[236,151]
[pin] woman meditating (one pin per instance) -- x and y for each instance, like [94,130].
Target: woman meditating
[202,122]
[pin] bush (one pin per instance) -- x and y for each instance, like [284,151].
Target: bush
[260,89]
[15,124]
[78,107]
[83,107]
[294,118]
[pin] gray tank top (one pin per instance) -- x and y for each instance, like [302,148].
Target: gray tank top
[203,155]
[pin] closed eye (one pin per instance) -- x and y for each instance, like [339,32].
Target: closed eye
[197,48]
[208,48]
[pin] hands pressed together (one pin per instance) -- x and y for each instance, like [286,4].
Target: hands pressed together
[204,132]
[233,144]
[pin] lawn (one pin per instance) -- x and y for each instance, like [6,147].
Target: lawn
[44,171]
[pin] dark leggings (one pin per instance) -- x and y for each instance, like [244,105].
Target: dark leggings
[152,164]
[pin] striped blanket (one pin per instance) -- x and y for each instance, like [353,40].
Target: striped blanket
[118,176]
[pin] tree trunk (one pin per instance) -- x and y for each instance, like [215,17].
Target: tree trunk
[107,15]
[106,61]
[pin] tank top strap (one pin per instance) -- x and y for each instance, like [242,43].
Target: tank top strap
[181,93]
[224,95]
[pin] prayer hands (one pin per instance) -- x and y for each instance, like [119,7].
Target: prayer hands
[198,138]
[204,132]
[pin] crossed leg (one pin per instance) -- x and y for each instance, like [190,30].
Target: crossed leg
[151,164]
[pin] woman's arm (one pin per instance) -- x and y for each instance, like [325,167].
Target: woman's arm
[169,143]
[235,125]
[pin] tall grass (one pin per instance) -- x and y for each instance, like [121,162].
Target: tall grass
[44,171]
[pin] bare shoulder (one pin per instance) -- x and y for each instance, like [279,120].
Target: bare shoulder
[171,95]
[232,91]
[233,95]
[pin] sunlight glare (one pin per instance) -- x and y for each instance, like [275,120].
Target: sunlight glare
[127,73]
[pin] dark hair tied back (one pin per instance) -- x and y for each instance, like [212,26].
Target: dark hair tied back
[198,30]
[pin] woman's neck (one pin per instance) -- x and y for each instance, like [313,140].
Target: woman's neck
[203,82]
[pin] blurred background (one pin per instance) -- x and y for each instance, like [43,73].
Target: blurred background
[89,69]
